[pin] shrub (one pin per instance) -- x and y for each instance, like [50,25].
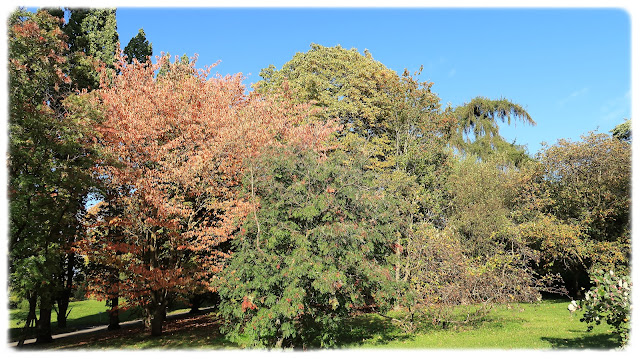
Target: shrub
[608,300]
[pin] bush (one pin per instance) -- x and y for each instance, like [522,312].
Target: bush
[609,299]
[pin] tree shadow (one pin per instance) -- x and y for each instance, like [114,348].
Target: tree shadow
[73,324]
[586,341]
[363,328]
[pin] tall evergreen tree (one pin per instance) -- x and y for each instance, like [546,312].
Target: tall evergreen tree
[93,40]
[138,48]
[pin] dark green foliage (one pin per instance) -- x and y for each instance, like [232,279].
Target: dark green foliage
[93,41]
[323,253]
[138,48]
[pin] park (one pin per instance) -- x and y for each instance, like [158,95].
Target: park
[335,203]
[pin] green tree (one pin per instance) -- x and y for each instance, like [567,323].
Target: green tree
[622,131]
[93,41]
[48,166]
[323,254]
[138,48]
[589,182]
[346,84]
[393,121]
[478,132]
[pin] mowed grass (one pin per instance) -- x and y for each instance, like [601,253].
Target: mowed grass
[545,325]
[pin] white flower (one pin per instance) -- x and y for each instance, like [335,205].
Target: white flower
[573,306]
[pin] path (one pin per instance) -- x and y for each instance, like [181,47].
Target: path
[100,328]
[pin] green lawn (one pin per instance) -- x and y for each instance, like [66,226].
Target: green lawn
[522,326]
[546,325]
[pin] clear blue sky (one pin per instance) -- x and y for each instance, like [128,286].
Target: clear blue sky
[570,68]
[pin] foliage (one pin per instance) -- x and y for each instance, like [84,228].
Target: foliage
[138,48]
[322,257]
[485,254]
[622,131]
[610,300]
[370,101]
[93,42]
[174,149]
[48,165]
[393,121]
[350,86]
[589,184]
[478,133]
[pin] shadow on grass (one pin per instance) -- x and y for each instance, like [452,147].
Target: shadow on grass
[189,332]
[586,341]
[73,324]
[369,328]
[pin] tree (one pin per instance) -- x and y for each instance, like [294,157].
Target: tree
[394,121]
[622,131]
[48,166]
[348,85]
[478,131]
[323,256]
[589,184]
[138,48]
[174,151]
[93,41]
[485,216]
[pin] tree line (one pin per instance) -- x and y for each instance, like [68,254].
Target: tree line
[334,186]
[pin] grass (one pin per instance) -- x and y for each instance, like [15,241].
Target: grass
[545,325]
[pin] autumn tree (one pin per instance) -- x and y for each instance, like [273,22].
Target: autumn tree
[174,150]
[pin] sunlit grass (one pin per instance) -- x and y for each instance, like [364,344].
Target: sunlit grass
[545,325]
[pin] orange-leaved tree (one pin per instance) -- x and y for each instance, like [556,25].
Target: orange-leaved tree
[175,147]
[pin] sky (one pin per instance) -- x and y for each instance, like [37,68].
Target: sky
[569,68]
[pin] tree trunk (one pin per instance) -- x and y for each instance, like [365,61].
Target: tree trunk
[114,314]
[65,296]
[31,318]
[63,306]
[43,327]
[157,320]
[196,301]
